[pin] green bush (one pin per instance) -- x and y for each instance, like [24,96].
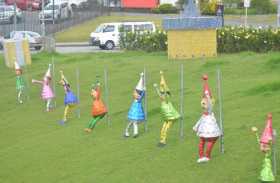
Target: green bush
[146,41]
[264,6]
[229,39]
[165,9]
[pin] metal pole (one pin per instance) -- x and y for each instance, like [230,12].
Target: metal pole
[274,152]
[15,16]
[53,74]
[182,101]
[43,23]
[222,149]
[278,13]
[78,91]
[145,101]
[53,11]
[246,16]
[106,96]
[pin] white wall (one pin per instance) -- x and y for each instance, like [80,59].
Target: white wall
[168,1]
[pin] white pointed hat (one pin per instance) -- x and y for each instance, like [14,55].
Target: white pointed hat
[141,83]
[17,67]
[48,73]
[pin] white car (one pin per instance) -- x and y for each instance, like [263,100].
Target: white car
[34,39]
[107,35]
[56,12]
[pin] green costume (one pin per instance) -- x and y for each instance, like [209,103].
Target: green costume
[266,172]
[20,85]
[94,120]
[168,111]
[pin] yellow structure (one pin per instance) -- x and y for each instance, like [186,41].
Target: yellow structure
[16,51]
[192,43]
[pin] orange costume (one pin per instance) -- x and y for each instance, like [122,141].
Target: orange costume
[98,108]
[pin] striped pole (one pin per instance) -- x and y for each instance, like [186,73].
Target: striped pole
[182,101]
[219,77]
[145,101]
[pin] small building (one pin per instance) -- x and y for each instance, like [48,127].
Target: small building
[140,4]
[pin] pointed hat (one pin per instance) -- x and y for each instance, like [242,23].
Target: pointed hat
[267,134]
[162,85]
[206,89]
[48,73]
[141,83]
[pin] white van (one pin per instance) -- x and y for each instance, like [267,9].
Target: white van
[107,35]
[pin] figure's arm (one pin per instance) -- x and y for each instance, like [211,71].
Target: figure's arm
[209,106]
[37,81]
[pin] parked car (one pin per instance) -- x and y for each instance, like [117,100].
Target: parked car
[34,39]
[107,35]
[7,14]
[27,4]
[56,12]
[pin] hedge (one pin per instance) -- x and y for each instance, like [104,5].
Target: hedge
[229,39]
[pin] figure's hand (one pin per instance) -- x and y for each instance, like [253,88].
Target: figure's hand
[33,81]
[254,129]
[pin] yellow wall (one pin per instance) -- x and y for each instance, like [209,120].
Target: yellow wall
[192,43]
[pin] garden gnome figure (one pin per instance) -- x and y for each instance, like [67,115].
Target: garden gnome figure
[207,128]
[136,112]
[47,93]
[20,84]
[169,113]
[99,109]
[70,99]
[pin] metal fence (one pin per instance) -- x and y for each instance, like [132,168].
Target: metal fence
[30,20]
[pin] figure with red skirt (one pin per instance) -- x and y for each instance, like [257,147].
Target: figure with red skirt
[207,128]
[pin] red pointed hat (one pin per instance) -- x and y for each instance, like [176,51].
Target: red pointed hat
[206,89]
[267,134]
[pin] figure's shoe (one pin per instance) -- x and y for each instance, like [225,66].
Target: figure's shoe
[203,160]
[135,136]
[62,122]
[206,159]
[126,135]
[160,144]
[21,102]
[88,130]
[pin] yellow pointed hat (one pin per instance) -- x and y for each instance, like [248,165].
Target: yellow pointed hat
[63,77]
[162,85]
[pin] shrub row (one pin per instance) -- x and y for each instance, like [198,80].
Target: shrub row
[229,39]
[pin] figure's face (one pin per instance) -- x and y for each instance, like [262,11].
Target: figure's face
[135,94]
[265,147]
[18,72]
[93,93]
[62,82]
[204,103]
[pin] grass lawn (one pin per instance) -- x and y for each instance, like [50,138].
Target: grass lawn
[80,33]
[34,148]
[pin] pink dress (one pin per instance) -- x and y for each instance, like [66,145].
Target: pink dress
[47,92]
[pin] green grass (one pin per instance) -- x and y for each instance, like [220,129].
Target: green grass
[34,148]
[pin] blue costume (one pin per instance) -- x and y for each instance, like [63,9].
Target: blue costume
[70,97]
[136,112]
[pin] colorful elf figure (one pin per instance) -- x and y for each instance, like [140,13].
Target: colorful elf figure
[70,99]
[266,142]
[20,84]
[99,109]
[207,128]
[136,112]
[47,92]
[169,113]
